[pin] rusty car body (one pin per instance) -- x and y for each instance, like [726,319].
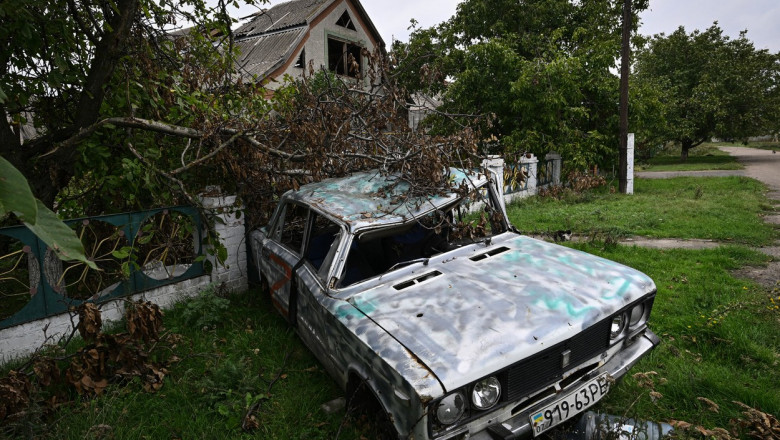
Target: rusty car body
[458,325]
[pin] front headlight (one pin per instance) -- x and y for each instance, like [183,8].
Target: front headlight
[450,409]
[636,314]
[485,393]
[618,323]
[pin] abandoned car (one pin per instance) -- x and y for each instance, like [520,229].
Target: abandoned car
[458,325]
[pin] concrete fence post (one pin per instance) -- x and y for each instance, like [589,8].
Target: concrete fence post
[630,164]
[229,226]
[495,165]
[553,156]
[533,167]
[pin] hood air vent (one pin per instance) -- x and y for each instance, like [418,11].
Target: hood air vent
[489,254]
[418,280]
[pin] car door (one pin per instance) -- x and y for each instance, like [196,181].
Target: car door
[313,320]
[282,254]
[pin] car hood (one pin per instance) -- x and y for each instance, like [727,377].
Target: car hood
[475,310]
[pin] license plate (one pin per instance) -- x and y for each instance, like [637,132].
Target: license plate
[569,406]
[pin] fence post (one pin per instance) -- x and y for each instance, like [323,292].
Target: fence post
[533,167]
[229,226]
[495,164]
[630,164]
[553,156]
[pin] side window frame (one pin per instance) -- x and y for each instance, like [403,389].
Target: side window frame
[279,228]
[325,264]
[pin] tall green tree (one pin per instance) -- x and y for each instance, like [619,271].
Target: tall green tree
[538,70]
[713,86]
[127,110]
[71,71]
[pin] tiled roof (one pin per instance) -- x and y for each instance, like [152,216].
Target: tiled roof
[260,55]
[268,40]
[282,16]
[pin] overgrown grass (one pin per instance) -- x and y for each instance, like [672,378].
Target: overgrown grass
[703,157]
[719,341]
[719,334]
[239,358]
[720,338]
[725,209]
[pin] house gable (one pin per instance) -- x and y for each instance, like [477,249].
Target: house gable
[276,40]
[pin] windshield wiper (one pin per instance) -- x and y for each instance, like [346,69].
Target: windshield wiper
[424,261]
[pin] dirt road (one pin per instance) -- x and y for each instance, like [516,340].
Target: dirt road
[763,165]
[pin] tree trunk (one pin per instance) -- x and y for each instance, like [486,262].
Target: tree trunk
[686,145]
[48,168]
[625,52]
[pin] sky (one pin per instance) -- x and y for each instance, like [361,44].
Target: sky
[760,17]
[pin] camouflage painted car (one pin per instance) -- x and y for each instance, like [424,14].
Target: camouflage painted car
[458,325]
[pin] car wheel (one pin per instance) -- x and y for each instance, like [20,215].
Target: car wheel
[363,408]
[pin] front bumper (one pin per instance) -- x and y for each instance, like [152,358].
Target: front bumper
[512,420]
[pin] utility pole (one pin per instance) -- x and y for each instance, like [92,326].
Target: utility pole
[625,51]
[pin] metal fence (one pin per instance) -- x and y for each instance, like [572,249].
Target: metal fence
[545,173]
[134,252]
[516,177]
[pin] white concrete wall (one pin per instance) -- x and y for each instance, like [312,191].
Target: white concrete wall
[24,339]
[316,43]
[230,228]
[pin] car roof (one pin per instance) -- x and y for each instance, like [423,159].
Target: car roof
[371,198]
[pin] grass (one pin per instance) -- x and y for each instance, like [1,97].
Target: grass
[233,357]
[726,209]
[719,338]
[719,333]
[719,341]
[700,158]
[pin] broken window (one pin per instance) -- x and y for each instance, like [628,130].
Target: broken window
[346,21]
[442,230]
[301,61]
[323,239]
[293,226]
[343,57]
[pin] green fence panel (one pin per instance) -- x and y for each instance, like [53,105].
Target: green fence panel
[136,230]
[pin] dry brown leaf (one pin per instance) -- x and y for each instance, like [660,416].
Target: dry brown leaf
[712,406]
[90,321]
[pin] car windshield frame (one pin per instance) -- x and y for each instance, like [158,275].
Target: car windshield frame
[403,235]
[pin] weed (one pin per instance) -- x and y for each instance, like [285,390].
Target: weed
[204,310]
[717,208]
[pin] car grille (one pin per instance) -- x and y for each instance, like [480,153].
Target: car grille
[546,368]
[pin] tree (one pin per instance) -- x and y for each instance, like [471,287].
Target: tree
[67,64]
[128,114]
[539,70]
[713,86]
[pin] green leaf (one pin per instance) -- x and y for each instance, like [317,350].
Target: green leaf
[15,194]
[58,236]
[121,254]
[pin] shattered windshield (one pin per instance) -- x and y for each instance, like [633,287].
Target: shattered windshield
[469,220]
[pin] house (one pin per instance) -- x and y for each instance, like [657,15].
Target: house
[291,36]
